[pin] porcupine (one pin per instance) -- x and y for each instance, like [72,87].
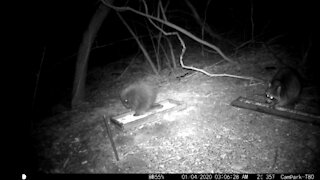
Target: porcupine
[139,97]
[284,88]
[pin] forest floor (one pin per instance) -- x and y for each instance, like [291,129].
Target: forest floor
[208,136]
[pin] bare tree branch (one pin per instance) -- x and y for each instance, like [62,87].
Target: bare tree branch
[172,26]
[140,45]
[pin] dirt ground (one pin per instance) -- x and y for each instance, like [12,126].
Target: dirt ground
[208,136]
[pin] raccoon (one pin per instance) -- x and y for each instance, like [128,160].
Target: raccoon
[284,88]
[139,97]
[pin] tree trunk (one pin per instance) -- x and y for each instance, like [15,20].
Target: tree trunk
[78,92]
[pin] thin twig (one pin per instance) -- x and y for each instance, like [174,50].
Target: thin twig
[172,26]
[110,136]
[252,22]
[37,80]
[126,69]
[140,44]
[181,41]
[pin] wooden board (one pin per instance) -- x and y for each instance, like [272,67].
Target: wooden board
[277,111]
[128,121]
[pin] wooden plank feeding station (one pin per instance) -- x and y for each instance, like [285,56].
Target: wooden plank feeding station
[277,111]
[127,120]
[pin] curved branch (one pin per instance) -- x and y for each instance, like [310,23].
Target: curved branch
[172,26]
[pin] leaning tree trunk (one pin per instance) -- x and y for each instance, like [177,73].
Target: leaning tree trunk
[78,92]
